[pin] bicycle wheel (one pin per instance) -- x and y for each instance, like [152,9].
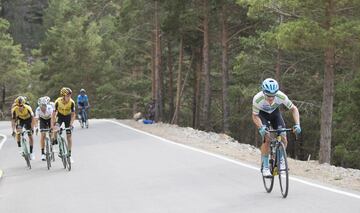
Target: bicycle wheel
[284,172]
[67,156]
[268,181]
[62,152]
[26,154]
[68,163]
[48,153]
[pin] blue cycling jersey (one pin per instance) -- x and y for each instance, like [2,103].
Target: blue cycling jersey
[82,100]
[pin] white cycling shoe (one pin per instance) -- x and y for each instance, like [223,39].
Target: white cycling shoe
[282,164]
[266,172]
[43,157]
[32,156]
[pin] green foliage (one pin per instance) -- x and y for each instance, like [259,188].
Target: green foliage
[14,72]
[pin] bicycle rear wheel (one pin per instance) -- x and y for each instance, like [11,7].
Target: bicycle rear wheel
[26,154]
[268,181]
[283,173]
[48,153]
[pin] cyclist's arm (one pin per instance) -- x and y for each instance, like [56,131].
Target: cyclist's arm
[13,119]
[256,119]
[73,114]
[13,124]
[36,121]
[295,114]
[53,115]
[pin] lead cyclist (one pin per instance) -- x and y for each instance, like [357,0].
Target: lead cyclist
[266,112]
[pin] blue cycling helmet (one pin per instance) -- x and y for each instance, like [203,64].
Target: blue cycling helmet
[270,87]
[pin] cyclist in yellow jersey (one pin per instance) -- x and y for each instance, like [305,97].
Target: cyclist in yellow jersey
[64,112]
[22,116]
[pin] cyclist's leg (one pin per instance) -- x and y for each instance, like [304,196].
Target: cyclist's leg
[278,122]
[265,146]
[18,130]
[67,120]
[44,124]
[27,125]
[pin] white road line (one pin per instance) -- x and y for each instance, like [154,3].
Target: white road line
[3,140]
[235,161]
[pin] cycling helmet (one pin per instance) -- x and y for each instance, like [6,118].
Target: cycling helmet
[47,98]
[83,90]
[270,87]
[65,91]
[42,101]
[19,101]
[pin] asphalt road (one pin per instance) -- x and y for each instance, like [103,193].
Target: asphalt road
[117,169]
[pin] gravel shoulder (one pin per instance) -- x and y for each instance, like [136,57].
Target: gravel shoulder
[227,146]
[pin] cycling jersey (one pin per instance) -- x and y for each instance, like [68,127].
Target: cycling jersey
[82,100]
[44,115]
[260,103]
[64,108]
[26,113]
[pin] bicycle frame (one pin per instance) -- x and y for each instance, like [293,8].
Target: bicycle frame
[25,146]
[63,148]
[277,153]
[49,148]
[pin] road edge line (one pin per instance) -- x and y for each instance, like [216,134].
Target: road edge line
[234,161]
[1,145]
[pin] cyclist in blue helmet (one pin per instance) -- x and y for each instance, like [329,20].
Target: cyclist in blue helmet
[83,104]
[266,112]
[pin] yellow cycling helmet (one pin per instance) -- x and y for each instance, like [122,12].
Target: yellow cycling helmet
[65,91]
[19,101]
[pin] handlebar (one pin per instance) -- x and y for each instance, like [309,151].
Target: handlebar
[281,130]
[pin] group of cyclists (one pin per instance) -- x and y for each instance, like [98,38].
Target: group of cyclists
[47,115]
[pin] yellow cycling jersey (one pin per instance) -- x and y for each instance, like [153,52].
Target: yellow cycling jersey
[24,114]
[64,108]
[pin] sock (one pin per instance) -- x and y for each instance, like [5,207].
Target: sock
[19,144]
[42,151]
[69,152]
[31,149]
[265,160]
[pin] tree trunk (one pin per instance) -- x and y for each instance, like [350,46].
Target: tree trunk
[153,82]
[225,72]
[158,84]
[197,90]
[171,81]
[206,67]
[328,92]
[175,119]
[278,66]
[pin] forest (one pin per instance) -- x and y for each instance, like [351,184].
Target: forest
[201,61]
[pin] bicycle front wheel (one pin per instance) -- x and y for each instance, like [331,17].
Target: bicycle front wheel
[268,181]
[26,154]
[283,172]
[62,152]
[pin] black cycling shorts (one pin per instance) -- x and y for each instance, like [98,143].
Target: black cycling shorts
[20,123]
[45,123]
[275,119]
[64,119]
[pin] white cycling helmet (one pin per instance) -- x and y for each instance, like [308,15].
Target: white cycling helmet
[43,101]
[270,87]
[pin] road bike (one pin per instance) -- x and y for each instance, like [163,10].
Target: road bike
[49,152]
[277,153]
[64,148]
[83,118]
[25,146]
